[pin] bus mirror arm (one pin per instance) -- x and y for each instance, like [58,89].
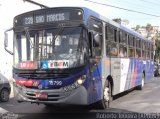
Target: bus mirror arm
[6,40]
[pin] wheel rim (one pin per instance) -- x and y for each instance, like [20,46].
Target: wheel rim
[106,94]
[4,95]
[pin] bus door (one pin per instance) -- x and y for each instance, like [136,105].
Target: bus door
[95,41]
[95,70]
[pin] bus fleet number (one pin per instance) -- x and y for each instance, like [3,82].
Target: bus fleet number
[55,83]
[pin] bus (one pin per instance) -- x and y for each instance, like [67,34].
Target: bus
[75,55]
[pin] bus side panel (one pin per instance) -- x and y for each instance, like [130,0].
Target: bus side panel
[111,67]
[139,64]
[126,73]
[127,76]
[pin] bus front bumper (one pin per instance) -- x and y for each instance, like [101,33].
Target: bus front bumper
[77,96]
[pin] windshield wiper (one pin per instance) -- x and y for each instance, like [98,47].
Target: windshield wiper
[28,37]
[56,35]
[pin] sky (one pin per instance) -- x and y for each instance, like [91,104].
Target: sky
[10,8]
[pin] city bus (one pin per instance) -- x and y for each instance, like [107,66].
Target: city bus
[75,55]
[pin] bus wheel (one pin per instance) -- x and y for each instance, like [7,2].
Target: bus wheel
[4,95]
[107,98]
[140,87]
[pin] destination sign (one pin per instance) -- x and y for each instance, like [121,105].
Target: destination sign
[48,16]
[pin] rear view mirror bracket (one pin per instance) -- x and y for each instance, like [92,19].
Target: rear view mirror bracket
[6,40]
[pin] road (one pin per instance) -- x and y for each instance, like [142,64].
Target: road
[135,101]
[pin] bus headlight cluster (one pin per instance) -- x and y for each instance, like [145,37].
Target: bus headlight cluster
[76,84]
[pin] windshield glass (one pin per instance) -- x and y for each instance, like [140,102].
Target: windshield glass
[56,46]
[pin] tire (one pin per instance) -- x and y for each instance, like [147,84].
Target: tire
[107,96]
[140,87]
[4,95]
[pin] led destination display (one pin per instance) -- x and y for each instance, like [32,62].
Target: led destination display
[48,16]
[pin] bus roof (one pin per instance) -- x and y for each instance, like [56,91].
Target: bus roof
[104,17]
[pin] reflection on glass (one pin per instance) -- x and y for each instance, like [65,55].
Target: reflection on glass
[51,44]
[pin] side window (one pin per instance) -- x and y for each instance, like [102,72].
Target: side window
[110,33]
[148,50]
[124,38]
[122,44]
[152,51]
[138,48]
[131,49]
[97,45]
[143,50]
[111,41]
[95,27]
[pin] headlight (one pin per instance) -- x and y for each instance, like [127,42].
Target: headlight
[76,84]
[80,81]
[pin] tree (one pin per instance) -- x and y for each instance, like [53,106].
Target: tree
[137,27]
[149,28]
[157,51]
[118,20]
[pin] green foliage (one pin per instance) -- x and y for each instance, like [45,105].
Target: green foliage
[157,51]
[149,27]
[157,43]
[137,27]
[118,20]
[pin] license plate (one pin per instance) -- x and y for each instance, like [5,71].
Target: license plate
[40,95]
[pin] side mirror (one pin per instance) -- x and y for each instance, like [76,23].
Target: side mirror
[96,38]
[6,40]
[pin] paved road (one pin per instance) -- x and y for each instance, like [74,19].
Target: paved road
[135,101]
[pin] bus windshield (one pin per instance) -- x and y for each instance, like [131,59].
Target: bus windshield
[58,44]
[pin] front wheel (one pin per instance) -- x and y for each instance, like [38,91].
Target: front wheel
[107,96]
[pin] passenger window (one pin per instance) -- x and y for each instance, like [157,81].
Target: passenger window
[111,41]
[112,49]
[123,39]
[122,44]
[131,49]
[148,54]
[143,54]
[110,33]
[131,40]
[152,56]
[97,45]
[95,25]
[138,53]
[131,52]
[122,51]
[138,47]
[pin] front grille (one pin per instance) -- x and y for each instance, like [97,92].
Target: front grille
[32,87]
[52,95]
[43,75]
